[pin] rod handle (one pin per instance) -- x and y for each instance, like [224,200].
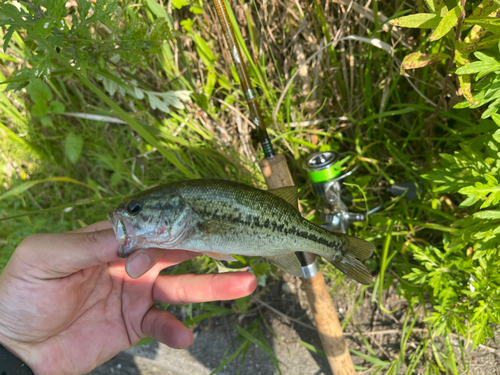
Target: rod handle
[328,325]
[276,172]
[277,175]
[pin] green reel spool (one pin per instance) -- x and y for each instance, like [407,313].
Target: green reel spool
[323,166]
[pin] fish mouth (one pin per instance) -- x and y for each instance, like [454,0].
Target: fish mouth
[120,229]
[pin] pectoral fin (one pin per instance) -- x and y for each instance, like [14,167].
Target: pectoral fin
[215,227]
[288,194]
[288,263]
[220,256]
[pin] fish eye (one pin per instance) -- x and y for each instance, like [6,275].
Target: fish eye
[133,208]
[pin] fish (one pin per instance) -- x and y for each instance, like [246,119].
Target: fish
[221,217]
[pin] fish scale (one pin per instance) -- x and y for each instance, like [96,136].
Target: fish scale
[220,217]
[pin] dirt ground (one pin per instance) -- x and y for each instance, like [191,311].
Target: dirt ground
[282,305]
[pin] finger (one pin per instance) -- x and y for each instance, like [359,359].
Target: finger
[66,253]
[190,288]
[100,225]
[141,261]
[164,326]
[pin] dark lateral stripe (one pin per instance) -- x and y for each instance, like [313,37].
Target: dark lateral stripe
[260,223]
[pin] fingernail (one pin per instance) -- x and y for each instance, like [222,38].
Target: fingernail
[138,266]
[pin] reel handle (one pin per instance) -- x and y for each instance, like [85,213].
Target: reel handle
[410,189]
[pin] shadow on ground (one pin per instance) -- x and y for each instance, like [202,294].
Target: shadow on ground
[216,339]
[279,309]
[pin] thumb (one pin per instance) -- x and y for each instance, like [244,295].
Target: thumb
[65,253]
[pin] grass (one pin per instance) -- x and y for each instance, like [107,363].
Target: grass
[351,99]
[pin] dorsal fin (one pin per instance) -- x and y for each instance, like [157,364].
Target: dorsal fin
[288,194]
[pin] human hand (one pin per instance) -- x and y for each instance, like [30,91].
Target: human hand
[68,305]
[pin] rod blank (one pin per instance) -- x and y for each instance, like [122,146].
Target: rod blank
[250,96]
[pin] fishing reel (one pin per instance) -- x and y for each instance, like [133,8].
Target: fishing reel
[333,199]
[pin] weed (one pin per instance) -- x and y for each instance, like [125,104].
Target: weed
[101,100]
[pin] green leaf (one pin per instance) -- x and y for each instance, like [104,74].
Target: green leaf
[7,37]
[40,109]
[178,4]
[145,134]
[496,118]
[419,60]
[431,5]
[492,108]
[211,79]
[489,23]
[485,8]
[485,58]
[242,304]
[487,70]
[466,85]
[73,146]
[39,91]
[491,180]
[163,100]
[115,179]
[449,21]
[483,263]
[4,56]
[311,348]
[231,358]
[25,186]
[157,9]
[57,107]
[204,50]
[47,122]
[196,9]
[474,67]
[496,135]
[418,21]
[55,8]
[145,340]
[371,359]
[261,344]
[44,27]
[187,24]
[469,201]
[489,215]
[462,105]
[485,66]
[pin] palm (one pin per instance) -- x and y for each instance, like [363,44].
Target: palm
[67,308]
[103,310]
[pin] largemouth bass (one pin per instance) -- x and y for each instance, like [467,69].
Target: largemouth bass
[219,218]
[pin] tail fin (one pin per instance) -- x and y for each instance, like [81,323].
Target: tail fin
[352,267]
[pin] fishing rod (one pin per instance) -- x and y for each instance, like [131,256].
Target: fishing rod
[277,175]
[250,96]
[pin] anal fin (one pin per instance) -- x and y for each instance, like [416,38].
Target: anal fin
[220,256]
[288,263]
